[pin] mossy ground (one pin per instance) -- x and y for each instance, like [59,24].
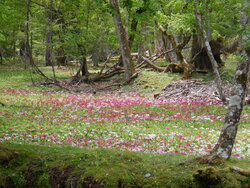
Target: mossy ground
[39,166]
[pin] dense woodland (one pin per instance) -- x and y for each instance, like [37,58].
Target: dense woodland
[103,39]
[59,32]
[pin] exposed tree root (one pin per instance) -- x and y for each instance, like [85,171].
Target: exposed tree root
[239,170]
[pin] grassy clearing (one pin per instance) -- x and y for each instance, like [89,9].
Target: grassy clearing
[106,130]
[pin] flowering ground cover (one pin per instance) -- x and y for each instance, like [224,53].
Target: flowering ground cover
[186,126]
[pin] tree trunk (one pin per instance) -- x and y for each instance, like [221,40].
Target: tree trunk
[187,67]
[224,146]
[171,56]
[84,66]
[210,55]
[95,58]
[227,137]
[61,58]
[83,62]
[1,58]
[48,53]
[123,40]
[196,48]
[158,40]
[49,35]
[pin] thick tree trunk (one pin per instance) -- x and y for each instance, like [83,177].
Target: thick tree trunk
[123,40]
[210,55]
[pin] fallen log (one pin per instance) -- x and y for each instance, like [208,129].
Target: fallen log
[152,65]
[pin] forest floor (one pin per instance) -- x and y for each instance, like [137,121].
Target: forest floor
[111,136]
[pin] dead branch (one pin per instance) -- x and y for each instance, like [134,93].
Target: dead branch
[107,60]
[106,76]
[56,84]
[152,65]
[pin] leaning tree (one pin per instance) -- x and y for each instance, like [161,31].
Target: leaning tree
[224,146]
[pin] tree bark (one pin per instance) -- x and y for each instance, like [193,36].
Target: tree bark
[224,146]
[61,57]
[227,137]
[187,67]
[28,52]
[210,55]
[123,40]
[196,48]
[1,58]
[48,53]
[49,35]
[158,40]
[170,57]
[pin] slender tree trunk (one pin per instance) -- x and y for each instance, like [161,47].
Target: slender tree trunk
[48,53]
[60,57]
[210,55]
[50,37]
[49,33]
[14,47]
[28,52]
[227,137]
[224,146]
[1,58]
[123,40]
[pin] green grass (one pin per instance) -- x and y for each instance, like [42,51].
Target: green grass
[28,161]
